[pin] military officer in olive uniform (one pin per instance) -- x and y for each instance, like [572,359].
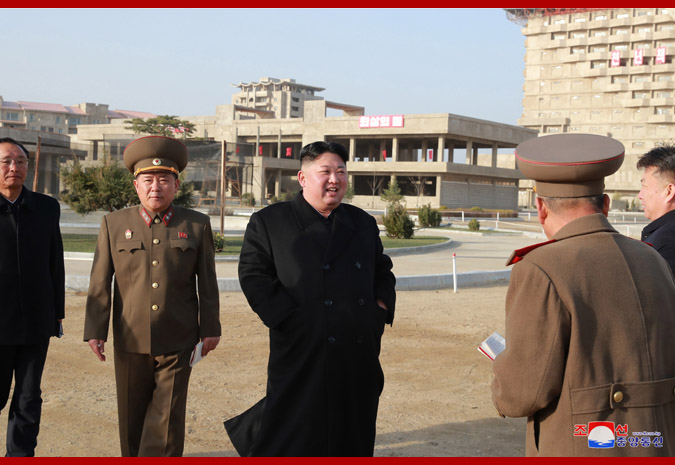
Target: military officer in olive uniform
[589,317]
[164,300]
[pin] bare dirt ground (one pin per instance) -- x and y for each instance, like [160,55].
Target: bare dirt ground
[436,399]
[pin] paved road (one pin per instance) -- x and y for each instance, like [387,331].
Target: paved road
[473,252]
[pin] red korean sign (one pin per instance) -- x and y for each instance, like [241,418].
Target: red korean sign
[638,57]
[616,58]
[382,121]
[660,56]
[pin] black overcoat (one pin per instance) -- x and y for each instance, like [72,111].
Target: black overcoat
[31,270]
[316,289]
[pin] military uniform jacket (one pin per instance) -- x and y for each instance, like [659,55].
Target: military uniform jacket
[32,275]
[660,233]
[316,289]
[589,326]
[165,295]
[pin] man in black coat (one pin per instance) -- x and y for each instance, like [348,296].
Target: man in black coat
[32,289]
[658,200]
[314,271]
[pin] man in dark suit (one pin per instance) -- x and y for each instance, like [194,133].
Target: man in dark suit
[165,299]
[32,288]
[658,200]
[314,271]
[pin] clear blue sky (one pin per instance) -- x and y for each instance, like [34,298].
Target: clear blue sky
[183,62]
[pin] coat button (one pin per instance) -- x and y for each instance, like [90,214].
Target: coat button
[155,285]
[618,396]
[157,220]
[155,307]
[358,265]
[331,340]
[155,241]
[361,301]
[155,263]
[359,339]
[326,266]
[328,302]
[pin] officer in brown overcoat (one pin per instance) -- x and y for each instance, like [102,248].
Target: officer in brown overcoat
[589,317]
[165,299]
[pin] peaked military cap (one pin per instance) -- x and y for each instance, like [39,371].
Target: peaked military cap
[155,153]
[569,165]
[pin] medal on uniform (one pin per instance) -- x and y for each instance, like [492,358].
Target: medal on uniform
[128,233]
[182,235]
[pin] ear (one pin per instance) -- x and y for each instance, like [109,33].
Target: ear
[542,211]
[301,178]
[605,204]
[670,192]
[136,185]
[177,183]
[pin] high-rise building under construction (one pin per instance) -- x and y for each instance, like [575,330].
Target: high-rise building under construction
[601,71]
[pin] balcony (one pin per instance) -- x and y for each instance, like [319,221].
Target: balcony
[661,119]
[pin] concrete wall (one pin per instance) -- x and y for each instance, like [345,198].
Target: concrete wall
[461,194]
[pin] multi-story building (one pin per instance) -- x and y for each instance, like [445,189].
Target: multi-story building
[59,119]
[274,98]
[601,71]
[46,128]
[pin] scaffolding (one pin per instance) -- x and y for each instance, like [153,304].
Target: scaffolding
[520,16]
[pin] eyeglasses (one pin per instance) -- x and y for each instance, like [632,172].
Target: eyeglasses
[7,162]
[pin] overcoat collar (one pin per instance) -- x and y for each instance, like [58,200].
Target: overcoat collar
[310,222]
[25,199]
[584,225]
[588,224]
[657,223]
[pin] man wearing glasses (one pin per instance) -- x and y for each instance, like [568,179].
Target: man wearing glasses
[32,289]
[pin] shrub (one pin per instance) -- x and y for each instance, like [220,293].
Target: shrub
[398,222]
[429,217]
[283,197]
[218,241]
[474,225]
[248,199]
[475,209]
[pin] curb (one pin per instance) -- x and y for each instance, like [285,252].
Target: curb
[235,258]
[403,283]
[417,250]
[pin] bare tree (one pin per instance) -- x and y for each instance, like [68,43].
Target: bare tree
[375,185]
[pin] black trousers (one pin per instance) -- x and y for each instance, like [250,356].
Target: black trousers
[24,363]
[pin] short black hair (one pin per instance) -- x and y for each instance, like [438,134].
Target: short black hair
[661,158]
[559,204]
[311,152]
[9,140]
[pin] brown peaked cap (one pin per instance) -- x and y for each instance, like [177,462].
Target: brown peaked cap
[569,165]
[155,153]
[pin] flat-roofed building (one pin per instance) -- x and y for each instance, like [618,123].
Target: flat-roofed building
[57,118]
[438,159]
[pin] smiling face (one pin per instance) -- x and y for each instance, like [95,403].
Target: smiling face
[156,190]
[656,194]
[13,170]
[324,182]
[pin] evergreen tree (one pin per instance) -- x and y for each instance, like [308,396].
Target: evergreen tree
[162,125]
[392,194]
[109,187]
